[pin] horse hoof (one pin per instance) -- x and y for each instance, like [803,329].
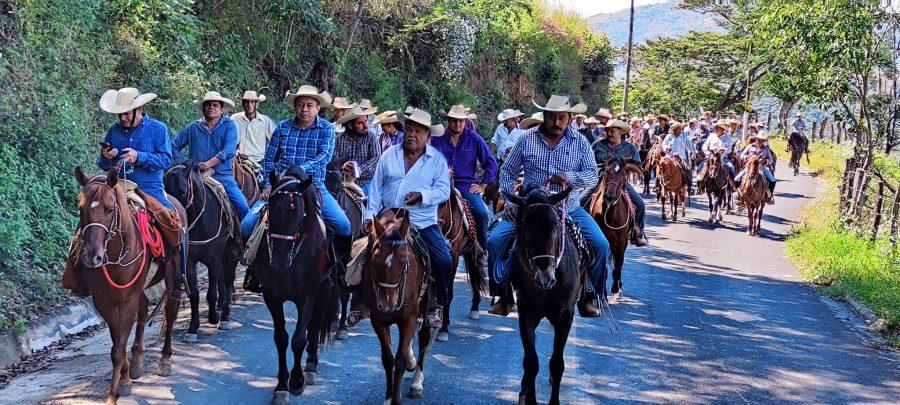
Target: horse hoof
[281,398]
[442,336]
[136,370]
[311,377]
[190,338]
[617,297]
[124,390]
[474,315]
[164,369]
[416,392]
[342,334]
[225,325]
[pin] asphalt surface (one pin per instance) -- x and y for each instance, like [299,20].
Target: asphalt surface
[710,316]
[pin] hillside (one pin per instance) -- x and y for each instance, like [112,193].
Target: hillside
[651,21]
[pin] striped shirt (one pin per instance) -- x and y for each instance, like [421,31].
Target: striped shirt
[430,176]
[311,148]
[533,156]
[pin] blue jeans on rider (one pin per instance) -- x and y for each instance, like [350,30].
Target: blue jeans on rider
[479,211]
[638,202]
[766,173]
[364,185]
[332,215]
[441,265]
[252,218]
[725,160]
[234,194]
[596,241]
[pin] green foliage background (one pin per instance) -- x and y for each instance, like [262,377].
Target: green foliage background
[58,57]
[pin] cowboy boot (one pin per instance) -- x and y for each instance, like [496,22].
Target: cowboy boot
[589,307]
[638,238]
[251,283]
[503,306]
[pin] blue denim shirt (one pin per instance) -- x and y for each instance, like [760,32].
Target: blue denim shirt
[154,148]
[221,142]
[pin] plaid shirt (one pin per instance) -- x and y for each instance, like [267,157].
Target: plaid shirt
[532,155]
[364,151]
[311,148]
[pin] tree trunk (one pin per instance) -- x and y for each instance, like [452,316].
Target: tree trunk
[895,213]
[822,129]
[783,114]
[812,134]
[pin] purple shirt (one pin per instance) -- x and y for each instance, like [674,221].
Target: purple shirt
[463,157]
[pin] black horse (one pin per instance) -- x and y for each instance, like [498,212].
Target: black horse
[547,278]
[797,145]
[294,264]
[718,187]
[210,242]
[352,200]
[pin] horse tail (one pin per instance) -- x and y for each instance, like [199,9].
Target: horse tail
[325,310]
[477,281]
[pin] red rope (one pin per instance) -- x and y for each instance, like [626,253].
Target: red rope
[151,241]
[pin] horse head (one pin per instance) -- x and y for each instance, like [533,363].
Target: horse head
[614,178]
[291,203]
[541,232]
[102,208]
[391,258]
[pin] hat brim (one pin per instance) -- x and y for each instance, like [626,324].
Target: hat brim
[527,122]
[501,117]
[624,127]
[436,130]
[108,102]
[386,120]
[348,117]
[575,109]
[323,98]
[227,103]
[260,98]
[445,114]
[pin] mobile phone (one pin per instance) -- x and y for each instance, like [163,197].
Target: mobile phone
[105,145]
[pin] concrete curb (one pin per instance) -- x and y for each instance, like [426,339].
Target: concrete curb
[70,319]
[873,321]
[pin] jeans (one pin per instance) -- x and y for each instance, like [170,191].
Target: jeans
[364,185]
[441,265]
[596,242]
[766,173]
[251,219]
[638,202]
[332,215]
[234,194]
[480,212]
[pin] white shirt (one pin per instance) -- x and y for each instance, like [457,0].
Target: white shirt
[505,139]
[253,137]
[391,183]
[677,146]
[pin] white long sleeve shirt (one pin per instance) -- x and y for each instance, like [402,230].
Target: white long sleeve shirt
[677,146]
[391,183]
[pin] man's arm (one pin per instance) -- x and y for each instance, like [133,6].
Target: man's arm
[512,166]
[584,174]
[440,191]
[229,147]
[102,162]
[269,158]
[323,155]
[373,201]
[160,158]
[180,141]
[367,168]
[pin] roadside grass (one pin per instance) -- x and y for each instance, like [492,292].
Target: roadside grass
[845,263]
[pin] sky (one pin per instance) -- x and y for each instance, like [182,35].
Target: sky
[588,8]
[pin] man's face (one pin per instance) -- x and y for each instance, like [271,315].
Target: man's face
[358,126]
[511,122]
[212,110]
[250,106]
[720,131]
[614,134]
[760,142]
[603,120]
[555,123]
[579,120]
[416,136]
[456,125]
[693,125]
[591,126]
[306,108]
[389,129]
[127,119]
[339,112]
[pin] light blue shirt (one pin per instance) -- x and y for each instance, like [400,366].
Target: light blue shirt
[391,183]
[505,139]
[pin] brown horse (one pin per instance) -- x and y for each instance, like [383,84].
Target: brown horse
[110,229]
[672,186]
[393,287]
[651,164]
[753,194]
[608,206]
[246,180]
[462,243]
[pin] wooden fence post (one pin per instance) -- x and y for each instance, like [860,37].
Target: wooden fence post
[895,213]
[822,129]
[812,135]
[879,203]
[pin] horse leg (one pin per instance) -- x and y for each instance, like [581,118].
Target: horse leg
[530,362]
[127,315]
[171,313]
[618,262]
[709,198]
[561,328]
[137,347]
[194,291]
[226,290]
[387,358]
[475,272]
[663,208]
[341,333]
[418,378]
[443,334]
[276,309]
[299,341]
[751,207]
[214,271]
[406,329]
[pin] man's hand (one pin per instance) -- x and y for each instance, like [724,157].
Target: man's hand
[110,153]
[413,198]
[558,179]
[129,155]
[265,193]
[506,152]
[203,166]
[477,189]
[367,226]
[242,154]
[451,172]
[348,166]
[510,211]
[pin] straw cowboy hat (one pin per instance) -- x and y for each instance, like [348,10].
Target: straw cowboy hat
[676,124]
[340,103]
[459,112]
[227,103]
[692,121]
[560,104]
[538,118]
[306,90]
[351,115]
[509,113]
[762,135]
[409,110]
[722,125]
[757,125]
[582,116]
[603,112]
[253,96]
[124,100]
[387,117]
[591,120]
[424,118]
[635,119]
[663,117]
[366,104]
[614,123]
[734,121]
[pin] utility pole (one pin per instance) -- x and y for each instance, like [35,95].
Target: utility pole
[747,97]
[628,60]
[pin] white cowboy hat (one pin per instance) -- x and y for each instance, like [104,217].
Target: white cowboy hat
[459,112]
[227,103]
[124,100]
[560,104]
[351,115]
[663,117]
[341,103]
[734,121]
[409,110]
[306,90]
[253,96]
[762,135]
[676,124]
[366,104]
[535,119]
[387,117]
[422,117]
[635,119]
[604,112]
[758,125]
[614,123]
[582,116]
[508,114]
[721,124]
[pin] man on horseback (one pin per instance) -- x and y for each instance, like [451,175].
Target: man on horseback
[391,132]
[798,125]
[554,155]
[614,146]
[339,107]
[213,143]
[254,128]
[465,152]
[603,116]
[677,144]
[414,176]
[141,147]
[507,133]
[356,150]
[720,142]
[766,157]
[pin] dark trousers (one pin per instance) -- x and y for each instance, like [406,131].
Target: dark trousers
[441,264]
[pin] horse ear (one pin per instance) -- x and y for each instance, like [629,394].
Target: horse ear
[80,176]
[377,227]
[112,177]
[562,195]
[519,201]
[634,168]
[306,183]
[404,225]
[273,178]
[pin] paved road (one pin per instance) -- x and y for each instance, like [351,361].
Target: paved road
[711,315]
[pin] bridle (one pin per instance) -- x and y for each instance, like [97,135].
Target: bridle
[620,188]
[295,238]
[561,249]
[114,229]
[400,285]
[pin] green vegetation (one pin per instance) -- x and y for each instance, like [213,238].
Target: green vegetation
[58,57]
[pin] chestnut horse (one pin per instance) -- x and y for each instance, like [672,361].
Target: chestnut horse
[718,190]
[462,243]
[393,287]
[610,208]
[246,180]
[753,194]
[672,186]
[110,228]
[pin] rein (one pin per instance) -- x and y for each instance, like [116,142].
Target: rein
[608,208]
[400,285]
[561,250]
[295,238]
[191,177]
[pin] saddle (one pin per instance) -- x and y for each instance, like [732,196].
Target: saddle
[229,215]
[457,200]
[502,265]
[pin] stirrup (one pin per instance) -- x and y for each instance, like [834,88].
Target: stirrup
[357,315]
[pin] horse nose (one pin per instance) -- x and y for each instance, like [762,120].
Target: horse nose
[92,260]
[546,282]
